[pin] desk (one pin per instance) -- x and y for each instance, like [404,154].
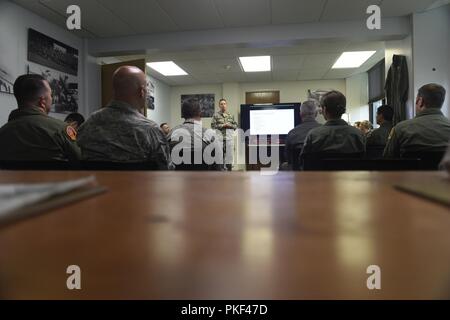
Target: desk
[231,235]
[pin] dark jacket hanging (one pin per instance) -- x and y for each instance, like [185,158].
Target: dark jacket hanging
[397,85]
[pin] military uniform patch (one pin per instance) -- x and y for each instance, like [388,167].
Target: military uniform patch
[72,133]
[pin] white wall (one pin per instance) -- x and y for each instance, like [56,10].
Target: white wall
[431,49]
[162,112]
[403,47]
[290,91]
[14,24]
[357,88]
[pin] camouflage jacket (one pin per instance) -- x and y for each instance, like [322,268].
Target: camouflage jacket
[218,122]
[120,133]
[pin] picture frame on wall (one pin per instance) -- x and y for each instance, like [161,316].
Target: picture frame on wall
[150,94]
[206,101]
[52,53]
[64,88]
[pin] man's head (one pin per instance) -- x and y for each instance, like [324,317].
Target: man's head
[191,109]
[430,95]
[333,105]
[75,120]
[365,126]
[384,113]
[130,86]
[32,90]
[223,105]
[165,128]
[308,110]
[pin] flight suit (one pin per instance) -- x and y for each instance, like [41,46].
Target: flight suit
[429,131]
[31,135]
[379,137]
[335,136]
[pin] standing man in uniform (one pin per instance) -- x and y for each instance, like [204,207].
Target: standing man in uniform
[119,132]
[224,122]
[429,131]
[30,134]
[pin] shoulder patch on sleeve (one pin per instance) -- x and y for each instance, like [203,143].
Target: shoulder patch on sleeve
[71,132]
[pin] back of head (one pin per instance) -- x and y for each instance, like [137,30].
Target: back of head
[129,85]
[75,117]
[386,111]
[308,109]
[191,109]
[335,103]
[28,88]
[433,95]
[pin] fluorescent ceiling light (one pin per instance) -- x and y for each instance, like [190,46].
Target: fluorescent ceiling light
[352,59]
[167,68]
[255,64]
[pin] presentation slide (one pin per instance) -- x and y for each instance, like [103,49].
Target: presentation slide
[272,121]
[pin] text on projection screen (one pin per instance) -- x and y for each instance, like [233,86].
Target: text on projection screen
[274,121]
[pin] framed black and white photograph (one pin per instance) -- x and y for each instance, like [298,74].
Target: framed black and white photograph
[150,94]
[206,102]
[52,53]
[6,84]
[8,59]
[64,88]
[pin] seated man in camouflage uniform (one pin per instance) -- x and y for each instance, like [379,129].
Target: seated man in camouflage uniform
[201,144]
[335,136]
[119,132]
[429,131]
[30,134]
[224,123]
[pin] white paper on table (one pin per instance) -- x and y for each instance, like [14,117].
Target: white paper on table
[16,196]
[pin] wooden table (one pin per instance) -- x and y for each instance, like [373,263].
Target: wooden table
[238,235]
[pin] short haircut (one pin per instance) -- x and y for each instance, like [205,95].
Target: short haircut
[75,117]
[162,124]
[308,109]
[335,103]
[366,124]
[190,109]
[386,111]
[222,100]
[433,95]
[28,88]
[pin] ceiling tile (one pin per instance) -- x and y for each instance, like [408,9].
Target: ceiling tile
[258,76]
[220,65]
[296,11]
[311,73]
[143,16]
[232,77]
[240,13]
[321,60]
[340,73]
[339,10]
[390,8]
[192,14]
[290,62]
[284,75]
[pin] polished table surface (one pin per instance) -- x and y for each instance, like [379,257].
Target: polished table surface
[239,235]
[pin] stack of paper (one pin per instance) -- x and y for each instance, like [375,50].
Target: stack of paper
[17,196]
